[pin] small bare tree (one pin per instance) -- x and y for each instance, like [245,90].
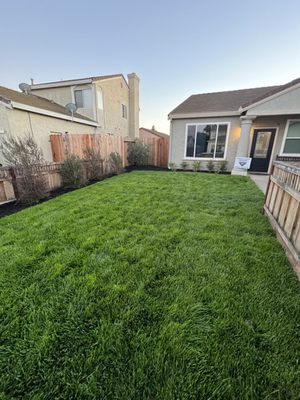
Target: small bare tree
[24,155]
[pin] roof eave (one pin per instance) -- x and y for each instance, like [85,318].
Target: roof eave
[53,114]
[61,84]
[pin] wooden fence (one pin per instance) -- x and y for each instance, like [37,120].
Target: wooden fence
[7,192]
[9,178]
[282,206]
[63,145]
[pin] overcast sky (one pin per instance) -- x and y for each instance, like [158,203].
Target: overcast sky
[177,48]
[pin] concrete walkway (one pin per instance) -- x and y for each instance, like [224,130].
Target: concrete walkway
[261,181]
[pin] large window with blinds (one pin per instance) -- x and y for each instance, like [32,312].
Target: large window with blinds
[206,140]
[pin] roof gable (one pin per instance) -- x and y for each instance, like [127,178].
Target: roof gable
[280,103]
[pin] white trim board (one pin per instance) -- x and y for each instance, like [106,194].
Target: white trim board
[53,114]
[60,84]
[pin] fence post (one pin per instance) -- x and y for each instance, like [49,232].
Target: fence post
[14,181]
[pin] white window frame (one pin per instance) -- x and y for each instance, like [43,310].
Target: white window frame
[207,158]
[286,138]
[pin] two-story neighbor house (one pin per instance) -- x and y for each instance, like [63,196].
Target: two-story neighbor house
[110,100]
[261,123]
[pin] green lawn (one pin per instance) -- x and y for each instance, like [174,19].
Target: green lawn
[150,285]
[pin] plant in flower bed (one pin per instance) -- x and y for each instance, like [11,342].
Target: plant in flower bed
[221,167]
[196,166]
[173,167]
[116,163]
[184,165]
[72,172]
[210,166]
[138,154]
[94,163]
[24,155]
[149,285]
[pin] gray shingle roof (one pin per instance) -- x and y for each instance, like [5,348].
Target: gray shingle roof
[221,101]
[32,100]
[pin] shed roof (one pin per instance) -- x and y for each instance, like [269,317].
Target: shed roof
[156,133]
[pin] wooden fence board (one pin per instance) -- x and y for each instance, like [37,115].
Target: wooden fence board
[282,206]
[278,203]
[283,209]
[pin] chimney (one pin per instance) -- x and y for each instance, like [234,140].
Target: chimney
[134,105]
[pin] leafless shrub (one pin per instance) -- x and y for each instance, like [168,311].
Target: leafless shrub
[23,154]
[94,163]
[116,163]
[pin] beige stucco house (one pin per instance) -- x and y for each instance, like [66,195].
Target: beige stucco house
[260,123]
[23,114]
[110,100]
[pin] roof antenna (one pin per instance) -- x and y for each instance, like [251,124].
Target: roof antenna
[25,88]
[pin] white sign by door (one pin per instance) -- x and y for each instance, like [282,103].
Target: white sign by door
[242,162]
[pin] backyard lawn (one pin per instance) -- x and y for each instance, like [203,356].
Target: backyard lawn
[150,285]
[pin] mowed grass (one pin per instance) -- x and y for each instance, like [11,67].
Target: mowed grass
[150,285]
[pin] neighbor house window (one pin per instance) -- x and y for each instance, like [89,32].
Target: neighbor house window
[83,98]
[206,140]
[292,139]
[124,111]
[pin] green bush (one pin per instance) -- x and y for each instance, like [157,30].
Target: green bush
[196,166]
[94,164]
[72,172]
[184,165]
[116,163]
[138,154]
[210,166]
[173,167]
